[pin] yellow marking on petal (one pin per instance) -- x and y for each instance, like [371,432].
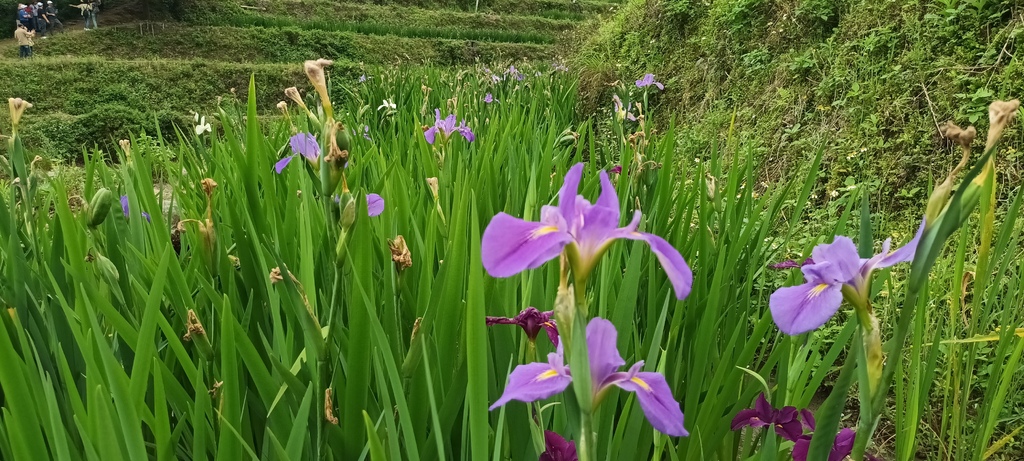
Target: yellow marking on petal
[817,290]
[637,234]
[548,324]
[547,375]
[641,383]
[541,231]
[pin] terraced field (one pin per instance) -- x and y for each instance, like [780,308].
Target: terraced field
[103,84]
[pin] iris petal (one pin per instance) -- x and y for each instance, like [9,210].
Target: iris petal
[672,262]
[430,134]
[534,381]
[374,204]
[511,245]
[842,253]
[804,307]
[903,254]
[602,350]
[567,195]
[281,164]
[655,397]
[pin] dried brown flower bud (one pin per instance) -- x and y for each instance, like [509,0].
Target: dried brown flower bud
[293,94]
[126,146]
[275,276]
[17,107]
[315,72]
[208,186]
[329,407]
[195,328]
[959,135]
[400,253]
[1000,114]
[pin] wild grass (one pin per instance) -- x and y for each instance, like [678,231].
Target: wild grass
[93,338]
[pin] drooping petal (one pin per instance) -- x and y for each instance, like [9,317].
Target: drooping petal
[602,350]
[305,144]
[803,308]
[146,215]
[801,447]
[905,253]
[279,166]
[511,245]
[843,445]
[430,135]
[552,330]
[466,132]
[672,262]
[374,204]
[748,417]
[655,397]
[567,194]
[659,85]
[807,419]
[535,381]
[842,254]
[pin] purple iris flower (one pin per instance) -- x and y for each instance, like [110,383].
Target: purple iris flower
[557,448]
[806,307]
[511,245]
[374,204]
[541,380]
[304,144]
[362,78]
[489,98]
[531,321]
[366,132]
[561,67]
[785,420]
[648,80]
[124,209]
[446,127]
[515,73]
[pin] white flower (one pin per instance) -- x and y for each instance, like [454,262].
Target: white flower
[202,127]
[387,105]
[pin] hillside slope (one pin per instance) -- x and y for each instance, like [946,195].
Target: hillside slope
[869,80]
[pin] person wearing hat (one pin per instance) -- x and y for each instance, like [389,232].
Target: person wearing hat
[40,17]
[25,16]
[51,17]
[24,38]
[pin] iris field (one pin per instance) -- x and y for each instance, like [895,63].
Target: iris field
[353,279]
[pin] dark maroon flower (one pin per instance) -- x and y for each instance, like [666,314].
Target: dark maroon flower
[531,321]
[841,448]
[791,264]
[616,169]
[786,421]
[557,448]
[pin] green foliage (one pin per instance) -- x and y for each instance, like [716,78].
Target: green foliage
[259,44]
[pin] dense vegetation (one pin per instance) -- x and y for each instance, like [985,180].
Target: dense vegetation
[251,300]
[870,80]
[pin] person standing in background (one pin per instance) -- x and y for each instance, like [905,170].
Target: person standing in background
[25,16]
[90,14]
[41,22]
[51,17]
[24,37]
